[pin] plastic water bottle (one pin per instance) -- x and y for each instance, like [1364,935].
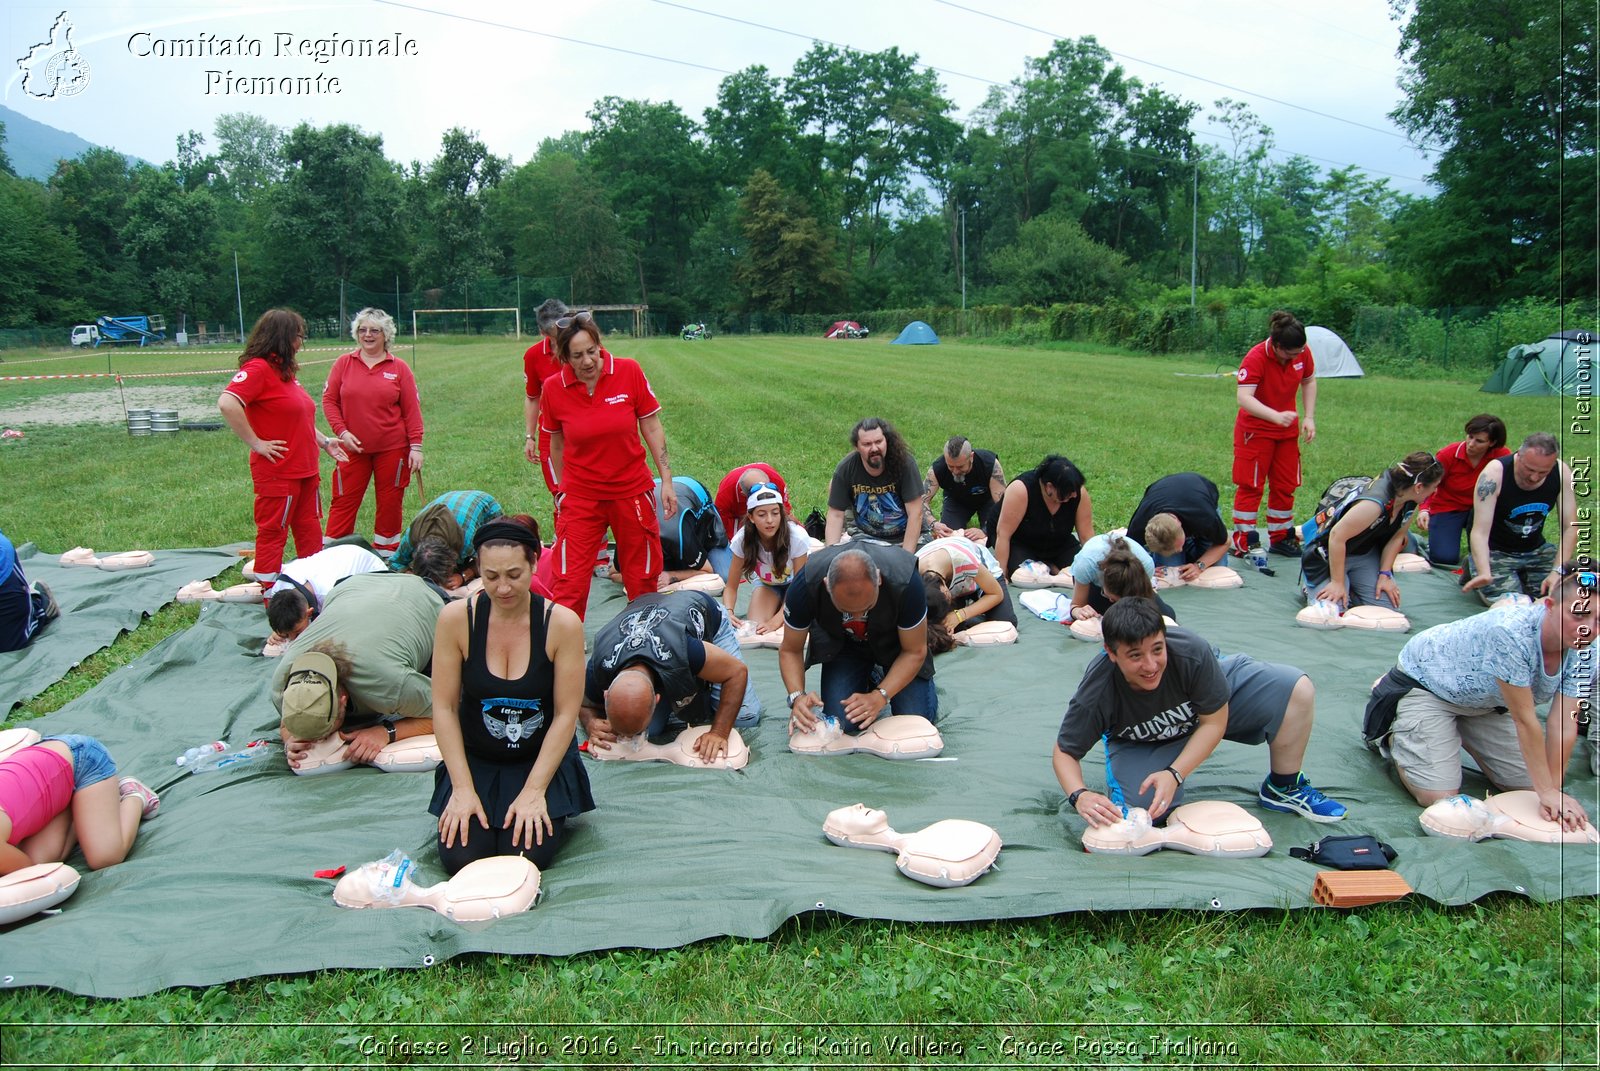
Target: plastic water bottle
[254,751]
[196,756]
[391,875]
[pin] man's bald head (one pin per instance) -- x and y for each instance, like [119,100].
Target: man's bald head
[630,700]
[852,582]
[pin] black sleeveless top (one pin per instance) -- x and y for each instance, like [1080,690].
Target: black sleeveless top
[1042,530]
[972,493]
[506,720]
[1519,515]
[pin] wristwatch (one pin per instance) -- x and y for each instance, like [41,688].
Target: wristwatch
[883,693]
[389,728]
[1072,798]
[793,696]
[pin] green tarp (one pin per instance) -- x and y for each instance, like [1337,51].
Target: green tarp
[220,886]
[96,607]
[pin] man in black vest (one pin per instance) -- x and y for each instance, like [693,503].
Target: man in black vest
[972,482]
[863,608]
[1514,496]
[667,657]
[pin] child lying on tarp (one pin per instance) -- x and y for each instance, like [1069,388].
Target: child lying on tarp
[63,791]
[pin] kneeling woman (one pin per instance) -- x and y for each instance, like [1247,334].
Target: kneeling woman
[507,680]
[964,585]
[1044,516]
[1350,547]
[768,550]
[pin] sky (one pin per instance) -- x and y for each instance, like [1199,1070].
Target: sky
[1321,73]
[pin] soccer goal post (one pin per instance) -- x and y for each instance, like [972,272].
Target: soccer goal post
[487,320]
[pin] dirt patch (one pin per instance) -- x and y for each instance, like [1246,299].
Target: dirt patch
[106,406]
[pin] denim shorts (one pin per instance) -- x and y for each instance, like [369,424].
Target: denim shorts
[91,762]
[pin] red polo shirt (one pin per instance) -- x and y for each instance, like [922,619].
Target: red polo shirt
[538,365]
[1276,383]
[277,409]
[601,452]
[1454,494]
[378,404]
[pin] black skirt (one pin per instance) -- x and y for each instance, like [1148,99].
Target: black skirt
[499,783]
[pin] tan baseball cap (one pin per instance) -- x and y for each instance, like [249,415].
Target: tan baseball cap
[310,699]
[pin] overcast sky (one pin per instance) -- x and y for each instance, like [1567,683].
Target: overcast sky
[520,72]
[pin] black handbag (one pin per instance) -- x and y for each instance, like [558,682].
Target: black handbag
[1355,852]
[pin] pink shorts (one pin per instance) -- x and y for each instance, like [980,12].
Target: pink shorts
[35,786]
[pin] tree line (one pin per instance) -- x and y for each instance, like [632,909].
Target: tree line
[848,184]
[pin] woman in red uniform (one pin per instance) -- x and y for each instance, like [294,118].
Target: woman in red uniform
[272,414]
[1446,512]
[595,409]
[1266,447]
[371,404]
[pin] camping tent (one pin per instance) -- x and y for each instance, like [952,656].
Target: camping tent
[1332,357]
[917,333]
[1560,364]
[845,329]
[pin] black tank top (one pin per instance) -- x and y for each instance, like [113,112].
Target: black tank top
[1519,515]
[502,720]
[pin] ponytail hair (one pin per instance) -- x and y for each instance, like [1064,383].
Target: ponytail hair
[1415,468]
[1122,575]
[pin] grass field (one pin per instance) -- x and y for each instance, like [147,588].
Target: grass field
[1500,983]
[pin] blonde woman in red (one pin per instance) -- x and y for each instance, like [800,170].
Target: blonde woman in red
[371,404]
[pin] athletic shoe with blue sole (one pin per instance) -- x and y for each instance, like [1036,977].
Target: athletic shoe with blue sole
[1303,799]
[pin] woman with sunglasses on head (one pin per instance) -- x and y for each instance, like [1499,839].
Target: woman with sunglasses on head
[596,409]
[1266,445]
[768,549]
[1350,547]
[371,404]
[272,414]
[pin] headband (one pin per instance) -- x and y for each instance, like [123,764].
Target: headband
[508,531]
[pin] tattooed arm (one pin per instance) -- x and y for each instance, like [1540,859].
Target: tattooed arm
[1484,499]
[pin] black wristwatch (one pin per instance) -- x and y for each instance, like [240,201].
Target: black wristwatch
[1072,798]
[389,727]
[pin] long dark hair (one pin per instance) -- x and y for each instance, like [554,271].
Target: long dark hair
[273,339]
[779,548]
[940,639]
[896,454]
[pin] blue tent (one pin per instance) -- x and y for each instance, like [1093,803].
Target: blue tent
[917,333]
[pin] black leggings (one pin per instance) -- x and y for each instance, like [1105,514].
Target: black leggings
[485,843]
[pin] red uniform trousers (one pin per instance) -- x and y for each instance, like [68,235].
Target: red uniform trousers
[386,468]
[580,535]
[299,511]
[1257,461]
[544,462]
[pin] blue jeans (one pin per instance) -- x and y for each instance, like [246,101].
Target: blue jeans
[1444,537]
[719,558]
[850,675]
